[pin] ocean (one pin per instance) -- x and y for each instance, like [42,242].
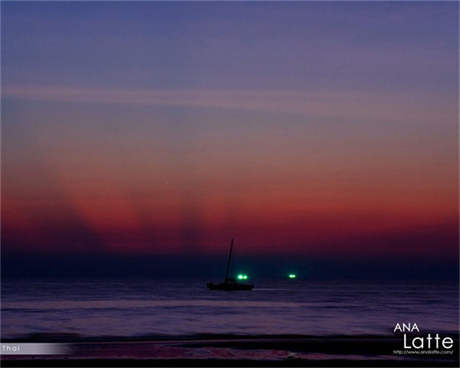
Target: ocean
[134,308]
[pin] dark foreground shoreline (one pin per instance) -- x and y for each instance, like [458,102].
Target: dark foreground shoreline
[220,363]
[230,351]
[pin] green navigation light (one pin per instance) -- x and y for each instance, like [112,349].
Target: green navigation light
[242,276]
[292,275]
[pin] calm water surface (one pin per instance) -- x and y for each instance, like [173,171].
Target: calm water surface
[151,307]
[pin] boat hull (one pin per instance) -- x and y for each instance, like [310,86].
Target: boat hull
[226,286]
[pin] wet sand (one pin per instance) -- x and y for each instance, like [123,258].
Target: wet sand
[230,350]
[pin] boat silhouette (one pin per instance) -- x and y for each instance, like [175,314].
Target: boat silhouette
[229,283]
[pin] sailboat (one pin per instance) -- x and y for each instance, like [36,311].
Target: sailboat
[229,283]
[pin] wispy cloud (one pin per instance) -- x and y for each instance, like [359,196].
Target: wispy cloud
[322,104]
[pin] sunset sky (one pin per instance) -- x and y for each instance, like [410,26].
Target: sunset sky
[326,129]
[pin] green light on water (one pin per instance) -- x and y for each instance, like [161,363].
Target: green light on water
[242,276]
[292,276]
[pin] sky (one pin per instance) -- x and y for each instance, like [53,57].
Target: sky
[300,129]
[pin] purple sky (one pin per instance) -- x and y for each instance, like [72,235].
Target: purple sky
[311,128]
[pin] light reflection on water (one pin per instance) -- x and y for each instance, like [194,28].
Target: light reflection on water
[148,307]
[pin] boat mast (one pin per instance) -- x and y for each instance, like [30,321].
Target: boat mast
[229,260]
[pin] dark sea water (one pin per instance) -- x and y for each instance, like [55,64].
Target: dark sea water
[150,307]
